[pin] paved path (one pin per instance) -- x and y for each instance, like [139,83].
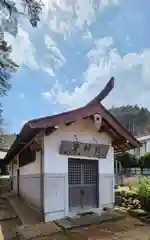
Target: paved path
[26,214]
[8,221]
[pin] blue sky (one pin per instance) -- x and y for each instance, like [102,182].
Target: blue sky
[76,48]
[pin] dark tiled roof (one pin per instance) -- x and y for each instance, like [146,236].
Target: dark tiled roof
[33,127]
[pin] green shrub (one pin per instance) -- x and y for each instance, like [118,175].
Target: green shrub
[143,187]
[146,160]
[127,160]
[143,190]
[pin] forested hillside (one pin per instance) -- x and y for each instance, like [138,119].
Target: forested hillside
[134,118]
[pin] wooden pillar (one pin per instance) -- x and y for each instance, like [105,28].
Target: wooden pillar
[42,179]
[18,173]
[11,176]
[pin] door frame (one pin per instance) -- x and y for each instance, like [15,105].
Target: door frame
[86,160]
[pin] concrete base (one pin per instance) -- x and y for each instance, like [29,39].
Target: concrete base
[109,206]
[86,220]
[94,210]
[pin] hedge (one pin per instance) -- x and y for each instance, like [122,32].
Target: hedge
[129,160]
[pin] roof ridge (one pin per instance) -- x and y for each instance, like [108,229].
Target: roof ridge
[61,114]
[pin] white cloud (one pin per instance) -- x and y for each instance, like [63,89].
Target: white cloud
[49,70]
[46,95]
[105,61]
[87,35]
[54,53]
[65,16]
[145,58]
[49,41]
[22,49]
[62,17]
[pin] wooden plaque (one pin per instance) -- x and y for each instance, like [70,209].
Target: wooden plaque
[83,149]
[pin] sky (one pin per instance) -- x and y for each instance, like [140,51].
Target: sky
[77,47]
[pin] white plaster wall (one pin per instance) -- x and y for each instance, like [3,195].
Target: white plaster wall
[148,146]
[57,165]
[2,154]
[85,132]
[15,188]
[29,182]
[33,167]
[106,179]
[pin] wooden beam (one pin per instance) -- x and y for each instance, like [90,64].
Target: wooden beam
[102,129]
[86,117]
[108,131]
[49,130]
[69,123]
[115,135]
[14,161]
[22,143]
[118,141]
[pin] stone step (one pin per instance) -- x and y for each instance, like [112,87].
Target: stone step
[38,230]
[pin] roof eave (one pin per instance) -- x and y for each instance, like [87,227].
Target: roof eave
[32,127]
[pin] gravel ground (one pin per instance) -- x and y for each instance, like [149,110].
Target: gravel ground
[8,220]
[126,229]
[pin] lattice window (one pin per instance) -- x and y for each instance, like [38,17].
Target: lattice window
[89,174]
[74,173]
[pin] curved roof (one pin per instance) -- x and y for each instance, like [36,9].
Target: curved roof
[119,134]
